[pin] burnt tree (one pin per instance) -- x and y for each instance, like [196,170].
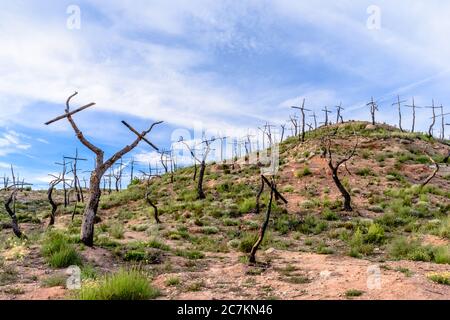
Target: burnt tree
[326,111]
[339,115]
[433,174]
[263,228]
[315,119]
[399,107]
[334,167]
[302,111]
[413,107]
[433,118]
[373,108]
[202,161]
[101,166]
[14,189]
[53,204]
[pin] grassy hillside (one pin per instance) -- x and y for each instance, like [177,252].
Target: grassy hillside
[200,249]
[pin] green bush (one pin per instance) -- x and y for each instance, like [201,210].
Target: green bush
[329,215]
[116,230]
[57,280]
[123,285]
[58,252]
[403,248]
[358,247]
[303,172]
[375,234]
[365,172]
[441,278]
[247,242]
[247,205]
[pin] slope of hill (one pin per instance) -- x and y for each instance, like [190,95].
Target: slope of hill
[393,245]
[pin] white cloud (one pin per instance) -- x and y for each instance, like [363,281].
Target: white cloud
[10,142]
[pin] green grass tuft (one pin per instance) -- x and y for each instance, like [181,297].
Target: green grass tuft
[123,285]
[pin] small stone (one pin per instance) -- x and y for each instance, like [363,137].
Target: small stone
[270,250]
[371,127]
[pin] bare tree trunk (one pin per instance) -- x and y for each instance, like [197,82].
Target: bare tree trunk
[53,204]
[87,228]
[195,171]
[430,129]
[258,196]
[149,201]
[342,190]
[200,192]
[432,175]
[262,230]
[12,214]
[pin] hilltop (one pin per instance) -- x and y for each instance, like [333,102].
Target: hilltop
[312,250]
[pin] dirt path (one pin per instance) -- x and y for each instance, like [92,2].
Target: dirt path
[325,277]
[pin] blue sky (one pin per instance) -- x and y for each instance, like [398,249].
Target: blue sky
[219,65]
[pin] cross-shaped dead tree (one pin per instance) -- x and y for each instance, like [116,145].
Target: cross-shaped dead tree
[262,230]
[373,108]
[339,115]
[433,118]
[77,185]
[302,110]
[399,107]
[101,166]
[413,107]
[442,116]
[326,111]
[64,181]
[334,167]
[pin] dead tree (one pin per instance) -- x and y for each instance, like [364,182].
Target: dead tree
[315,119]
[263,228]
[433,118]
[433,174]
[202,161]
[117,175]
[326,111]
[302,110]
[64,181]
[101,166]
[14,189]
[334,167]
[294,122]
[132,163]
[399,104]
[12,214]
[149,201]
[193,155]
[53,204]
[442,116]
[413,107]
[373,108]
[338,115]
[258,196]
[77,185]
[206,150]
[283,129]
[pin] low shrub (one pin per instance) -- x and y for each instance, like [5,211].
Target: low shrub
[123,285]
